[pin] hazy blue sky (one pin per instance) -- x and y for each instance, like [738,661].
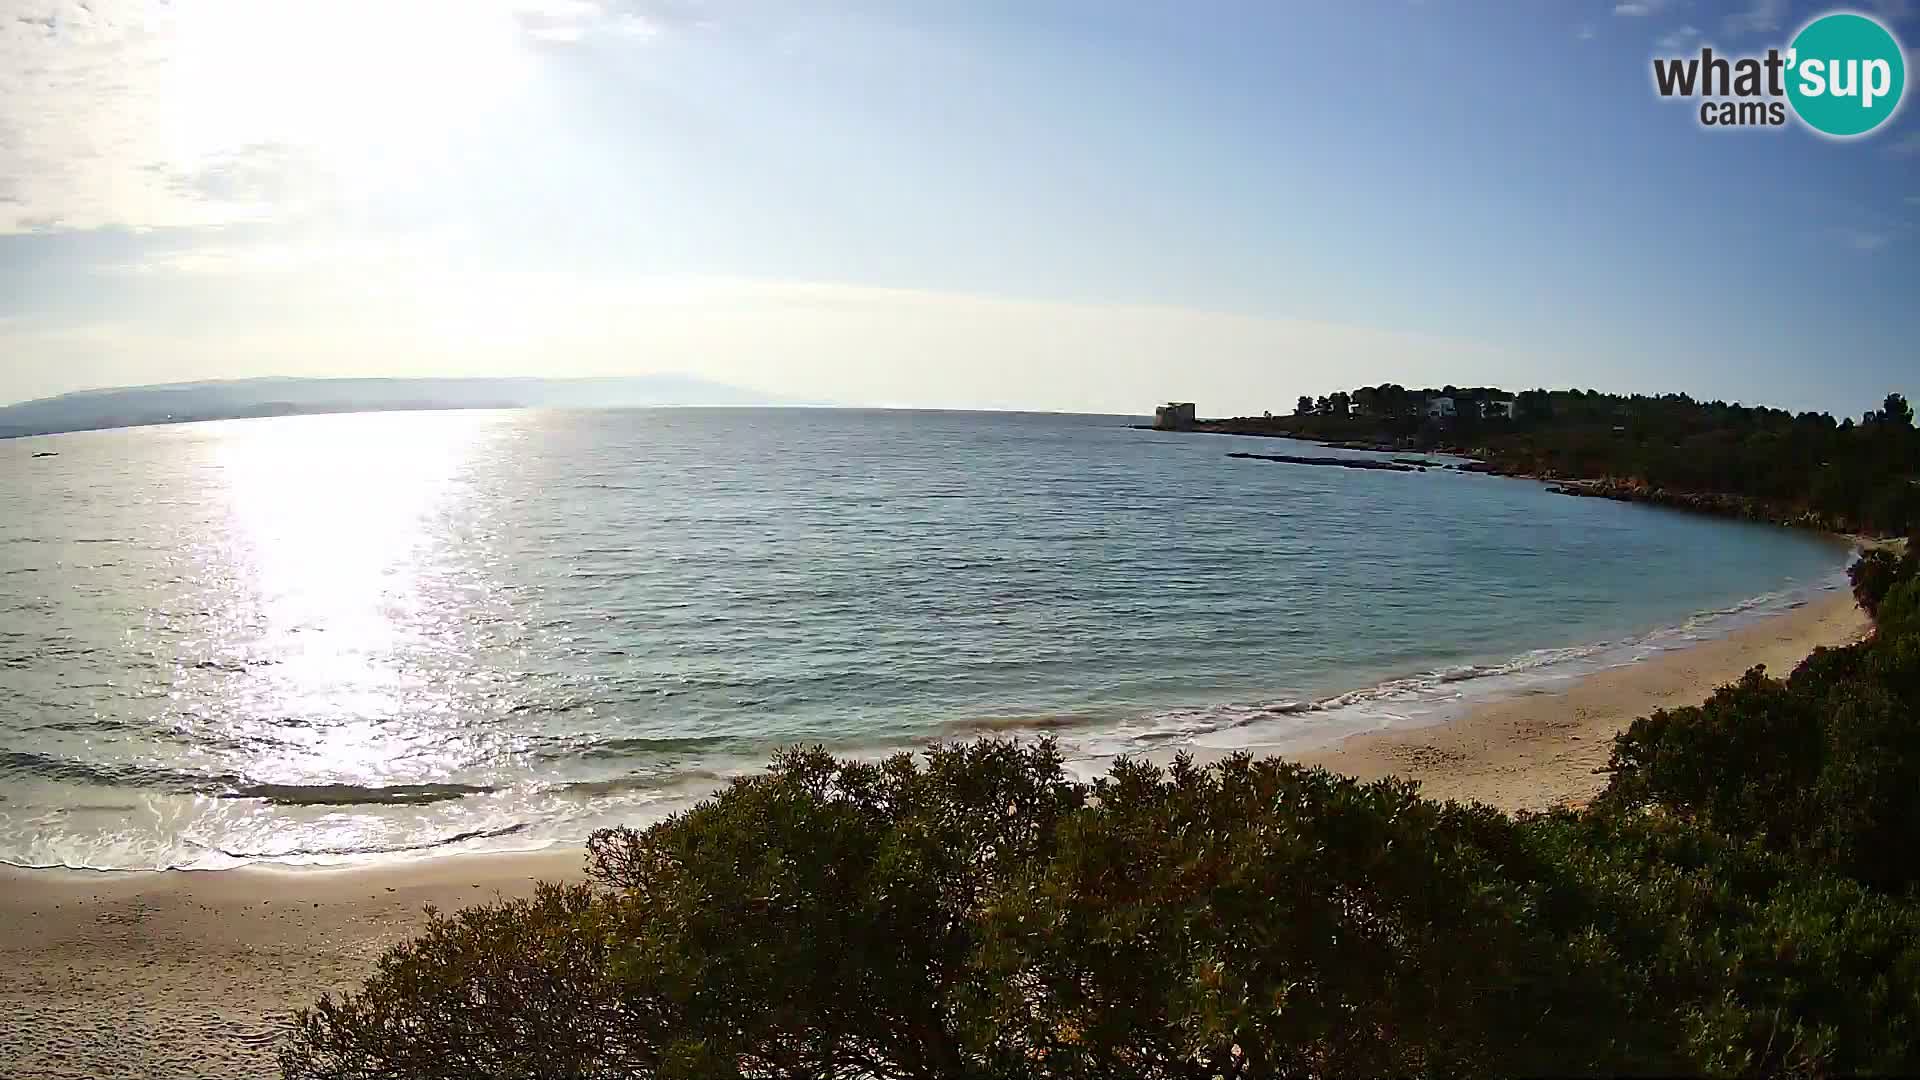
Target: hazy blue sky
[1080,206]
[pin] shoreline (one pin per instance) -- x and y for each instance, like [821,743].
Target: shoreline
[189,973]
[1541,749]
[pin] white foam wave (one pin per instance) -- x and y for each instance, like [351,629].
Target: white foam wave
[1422,698]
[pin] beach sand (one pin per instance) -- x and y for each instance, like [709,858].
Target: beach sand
[190,975]
[1542,750]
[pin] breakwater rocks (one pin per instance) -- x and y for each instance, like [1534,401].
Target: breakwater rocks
[1255,430]
[1344,463]
[1738,506]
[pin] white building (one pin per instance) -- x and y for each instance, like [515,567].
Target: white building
[1503,409]
[1440,408]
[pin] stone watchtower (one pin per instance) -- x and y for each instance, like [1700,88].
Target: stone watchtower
[1174,416]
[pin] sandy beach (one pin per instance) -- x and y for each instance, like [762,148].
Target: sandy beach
[190,974]
[1542,750]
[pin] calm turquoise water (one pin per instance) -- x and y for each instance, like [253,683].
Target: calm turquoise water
[321,638]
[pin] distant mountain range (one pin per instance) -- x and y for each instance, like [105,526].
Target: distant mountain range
[179,403]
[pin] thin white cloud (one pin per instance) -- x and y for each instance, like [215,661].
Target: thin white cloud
[1585,32]
[1638,9]
[79,118]
[1864,241]
[287,252]
[569,21]
[1907,145]
[1759,17]
[561,21]
[1680,39]
[207,112]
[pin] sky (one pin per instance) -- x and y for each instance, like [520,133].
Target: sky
[1088,207]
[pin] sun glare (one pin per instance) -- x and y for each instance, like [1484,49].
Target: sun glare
[367,90]
[330,520]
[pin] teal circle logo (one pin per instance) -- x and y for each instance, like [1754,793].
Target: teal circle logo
[1845,74]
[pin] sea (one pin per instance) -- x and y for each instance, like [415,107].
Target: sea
[328,639]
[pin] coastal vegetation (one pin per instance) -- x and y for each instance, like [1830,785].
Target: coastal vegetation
[1807,468]
[1738,901]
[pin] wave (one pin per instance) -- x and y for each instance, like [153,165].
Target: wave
[1428,696]
[633,746]
[355,794]
[1427,682]
[621,785]
[50,767]
[288,855]
[231,667]
[295,854]
[225,785]
[1039,722]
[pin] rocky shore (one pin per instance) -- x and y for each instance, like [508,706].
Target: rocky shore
[1737,506]
[1343,463]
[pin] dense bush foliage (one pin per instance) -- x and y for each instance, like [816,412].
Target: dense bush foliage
[1876,572]
[1852,475]
[985,916]
[1824,766]
[1738,902]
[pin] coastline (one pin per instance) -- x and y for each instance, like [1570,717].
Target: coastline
[189,973]
[1538,750]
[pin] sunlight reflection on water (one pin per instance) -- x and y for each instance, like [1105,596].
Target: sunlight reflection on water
[321,596]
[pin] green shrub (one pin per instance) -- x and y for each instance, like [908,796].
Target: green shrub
[1261,919]
[1745,759]
[1872,574]
[1899,612]
[522,988]
[984,916]
[1763,966]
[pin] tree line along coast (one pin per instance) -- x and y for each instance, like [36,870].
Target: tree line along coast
[1807,468]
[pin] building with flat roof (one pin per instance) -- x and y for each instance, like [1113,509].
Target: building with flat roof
[1174,416]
